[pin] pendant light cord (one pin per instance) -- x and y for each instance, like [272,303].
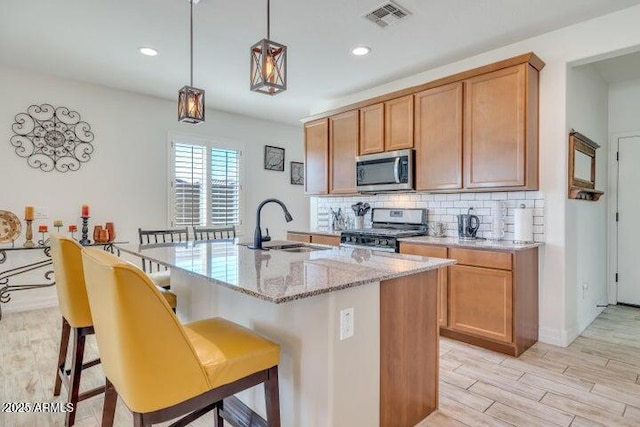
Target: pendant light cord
[268,21]
[191,40]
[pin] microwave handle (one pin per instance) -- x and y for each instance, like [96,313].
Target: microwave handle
[396,170]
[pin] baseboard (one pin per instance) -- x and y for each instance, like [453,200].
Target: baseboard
[558,337]
[31,304]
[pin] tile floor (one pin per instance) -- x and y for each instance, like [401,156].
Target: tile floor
[593,382]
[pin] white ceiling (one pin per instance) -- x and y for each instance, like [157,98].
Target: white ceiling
[96,41]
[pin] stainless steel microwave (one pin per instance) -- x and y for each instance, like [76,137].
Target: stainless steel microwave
[388,171]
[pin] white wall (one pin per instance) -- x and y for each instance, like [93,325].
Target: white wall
[586,41]
[586,250]
[126,179]
[624,106]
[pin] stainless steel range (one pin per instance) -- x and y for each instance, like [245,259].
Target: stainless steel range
[388,225]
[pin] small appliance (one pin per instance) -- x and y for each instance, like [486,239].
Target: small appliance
[389,171]
[468,225]
[388,225]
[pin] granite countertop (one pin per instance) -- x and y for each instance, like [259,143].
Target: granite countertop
[502,245]
[279,276]
[318,231]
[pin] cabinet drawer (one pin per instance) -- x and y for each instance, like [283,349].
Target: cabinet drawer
[423,250]
[322,239]
[299,237]
[499,260]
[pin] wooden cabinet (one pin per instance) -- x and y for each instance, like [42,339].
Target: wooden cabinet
[489,298]
[319,238]
[372,129]
[343,148]
[316,145]
[480,302]
[438,138]
[387,126]
[398,123]
[500,129]
[435,252]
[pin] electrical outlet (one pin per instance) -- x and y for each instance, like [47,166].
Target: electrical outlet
[346,323]
[41,213]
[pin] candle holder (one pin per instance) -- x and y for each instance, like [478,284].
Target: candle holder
[29,235]
[85,231]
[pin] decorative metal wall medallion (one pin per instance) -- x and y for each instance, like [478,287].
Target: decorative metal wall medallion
[52,138]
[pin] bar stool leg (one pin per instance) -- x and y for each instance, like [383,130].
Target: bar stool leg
[62,356]
[272,397]
[110,401]
[76,371]
[219,421]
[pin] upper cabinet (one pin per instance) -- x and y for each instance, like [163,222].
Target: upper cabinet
[438,138]
[316,152]
[387,126]
[473,131]
[501,129]
[343,149]
[398,123]
[372,129]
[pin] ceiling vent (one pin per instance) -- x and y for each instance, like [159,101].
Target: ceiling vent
[386,14]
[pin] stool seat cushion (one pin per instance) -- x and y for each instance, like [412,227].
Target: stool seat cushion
[161,278]
[228,351]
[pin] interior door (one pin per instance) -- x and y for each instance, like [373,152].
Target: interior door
[628,229]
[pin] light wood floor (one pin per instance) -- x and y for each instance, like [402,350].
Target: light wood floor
[593,382]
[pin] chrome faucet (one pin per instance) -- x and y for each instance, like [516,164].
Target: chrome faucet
[258,238]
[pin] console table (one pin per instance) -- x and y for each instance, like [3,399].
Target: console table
[6,288]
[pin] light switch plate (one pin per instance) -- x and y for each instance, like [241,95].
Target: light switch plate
[346,323]
[41,213]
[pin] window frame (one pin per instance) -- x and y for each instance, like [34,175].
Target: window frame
[219,143]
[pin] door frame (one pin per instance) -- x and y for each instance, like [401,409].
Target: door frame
[612,207]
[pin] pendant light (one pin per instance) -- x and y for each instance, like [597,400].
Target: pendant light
[191,99]
[268,64]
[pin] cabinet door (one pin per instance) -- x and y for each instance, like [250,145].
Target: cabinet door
[372,129]
[438,138]
[494,129]
[316,144]
[398,123]
[343,148]
[480,302]
[435,252]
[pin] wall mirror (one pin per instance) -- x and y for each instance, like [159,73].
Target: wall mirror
[582,167]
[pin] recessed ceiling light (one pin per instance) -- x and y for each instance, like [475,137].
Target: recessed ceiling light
[361,50]
[149,51]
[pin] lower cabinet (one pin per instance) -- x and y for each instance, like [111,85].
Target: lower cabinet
[489,298]
[321,239]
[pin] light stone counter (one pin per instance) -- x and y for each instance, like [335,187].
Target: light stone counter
[322,231]
[278,276]
[500,245]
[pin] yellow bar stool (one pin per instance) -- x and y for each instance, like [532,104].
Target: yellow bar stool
[66,255]
[160,368]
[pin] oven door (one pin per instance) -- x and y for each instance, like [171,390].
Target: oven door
[385,171]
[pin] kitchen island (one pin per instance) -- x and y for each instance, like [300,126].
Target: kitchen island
[385,374]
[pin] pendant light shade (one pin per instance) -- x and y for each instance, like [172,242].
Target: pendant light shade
[268,64]
[191,99]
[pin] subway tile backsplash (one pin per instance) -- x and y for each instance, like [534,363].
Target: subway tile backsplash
[441,207]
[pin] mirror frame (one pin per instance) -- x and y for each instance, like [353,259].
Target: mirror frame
[579,142]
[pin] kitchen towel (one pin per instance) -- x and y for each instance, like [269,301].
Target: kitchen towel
[498,219]
[523,224]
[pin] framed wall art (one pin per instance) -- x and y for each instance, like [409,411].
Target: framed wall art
[273,158]
[297,173]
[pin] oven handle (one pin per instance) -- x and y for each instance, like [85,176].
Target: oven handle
[396,170]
